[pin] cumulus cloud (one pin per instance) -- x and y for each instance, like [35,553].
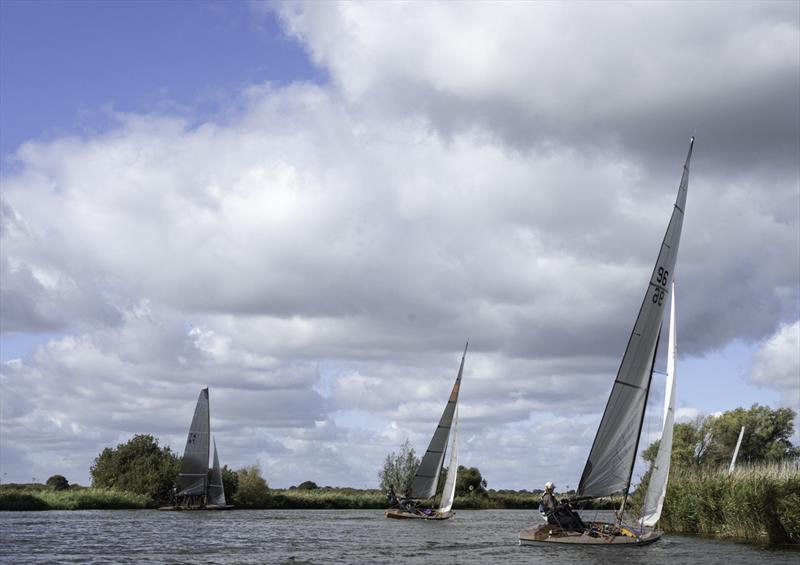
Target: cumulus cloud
[319,254]
[777,364]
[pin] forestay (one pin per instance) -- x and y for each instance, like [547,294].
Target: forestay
[194,467]
[427,477]
[216,490]
[609,467]
[657,488]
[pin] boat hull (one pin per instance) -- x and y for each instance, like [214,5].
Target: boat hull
[209,507]
[548,533]
[398,514]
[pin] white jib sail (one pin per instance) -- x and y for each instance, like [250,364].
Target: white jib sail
[657,489]
[449,492]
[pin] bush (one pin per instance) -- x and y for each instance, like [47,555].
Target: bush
[307,485]
[58,482]
[253,491]
[139,466]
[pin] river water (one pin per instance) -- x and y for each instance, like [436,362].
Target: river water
[326,536]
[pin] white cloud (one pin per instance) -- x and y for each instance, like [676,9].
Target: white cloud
[319,254]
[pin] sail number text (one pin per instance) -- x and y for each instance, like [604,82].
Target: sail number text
[658,295]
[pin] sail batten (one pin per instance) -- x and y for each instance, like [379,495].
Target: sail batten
[609,466]
[426,479]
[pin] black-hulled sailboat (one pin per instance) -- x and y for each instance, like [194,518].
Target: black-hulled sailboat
[609,468]
[426,479]
[194,490]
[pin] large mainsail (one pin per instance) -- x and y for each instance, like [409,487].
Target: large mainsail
[194,467]
[427,477]
[216,490]
[449,492]
[609,467]
[657,488]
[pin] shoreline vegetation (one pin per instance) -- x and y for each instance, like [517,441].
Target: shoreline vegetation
[758,503]
[34,496]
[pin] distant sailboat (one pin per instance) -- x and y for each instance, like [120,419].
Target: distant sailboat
[193,490]
[609,467]
[426,479]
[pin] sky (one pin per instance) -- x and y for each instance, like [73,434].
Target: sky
[311,207]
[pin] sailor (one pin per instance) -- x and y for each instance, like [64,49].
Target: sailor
[392,496]
[549,501]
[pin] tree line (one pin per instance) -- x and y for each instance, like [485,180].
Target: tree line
[142,466]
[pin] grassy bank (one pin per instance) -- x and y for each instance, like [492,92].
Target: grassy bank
[39,497]
[757,503]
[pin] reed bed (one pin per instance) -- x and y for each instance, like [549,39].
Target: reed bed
[70,499]
[757,503]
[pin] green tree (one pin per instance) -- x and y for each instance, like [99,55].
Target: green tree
[58,482]
[710,441]
[253,491]
[766,435]
[138,465]
[307,485]
[686,438]
[230,482]
[469,481]
[399,469]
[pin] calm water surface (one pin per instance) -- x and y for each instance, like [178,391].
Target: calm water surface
[325,536]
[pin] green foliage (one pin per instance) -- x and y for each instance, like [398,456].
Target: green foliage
[230,482]
[69,499]
[470,482]
[139,466]
[253,491]
[766,435]
[710,442]
[399,469]
[756,503]
[58,482]
[21,500]
[307,485]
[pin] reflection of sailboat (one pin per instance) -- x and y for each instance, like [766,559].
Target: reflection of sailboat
[426,479]
[193,484]
[609,468]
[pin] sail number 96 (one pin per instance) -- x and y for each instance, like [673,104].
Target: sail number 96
[658,294]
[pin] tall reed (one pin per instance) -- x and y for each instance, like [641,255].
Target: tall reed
[758,502]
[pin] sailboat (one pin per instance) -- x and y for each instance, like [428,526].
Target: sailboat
[426,479]
[193,490]
[609,467]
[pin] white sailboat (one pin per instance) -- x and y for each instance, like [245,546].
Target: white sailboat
[426,479]
[609,467]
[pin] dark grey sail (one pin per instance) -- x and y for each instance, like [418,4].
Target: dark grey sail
[194,467]
[216,491]
[427,477]
[610,464]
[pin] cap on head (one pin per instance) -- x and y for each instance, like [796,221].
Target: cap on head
[549,486]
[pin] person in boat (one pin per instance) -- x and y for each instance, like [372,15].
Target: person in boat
[558,513]
[392,497]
